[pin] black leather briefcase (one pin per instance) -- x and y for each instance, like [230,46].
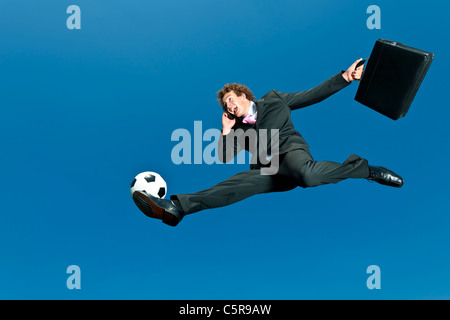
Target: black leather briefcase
[392,77]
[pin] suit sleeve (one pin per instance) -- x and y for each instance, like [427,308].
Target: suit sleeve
[303,99]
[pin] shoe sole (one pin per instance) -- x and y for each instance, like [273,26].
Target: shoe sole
[152,210]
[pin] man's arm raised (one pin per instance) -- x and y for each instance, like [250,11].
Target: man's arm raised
[319,93]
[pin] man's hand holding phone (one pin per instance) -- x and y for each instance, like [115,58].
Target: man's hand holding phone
[227,123]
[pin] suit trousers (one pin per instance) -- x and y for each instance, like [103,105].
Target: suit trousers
[297,168]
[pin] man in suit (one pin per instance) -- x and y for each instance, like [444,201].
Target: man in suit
[286,148]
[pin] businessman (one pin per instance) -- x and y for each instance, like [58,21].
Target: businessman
[294,164]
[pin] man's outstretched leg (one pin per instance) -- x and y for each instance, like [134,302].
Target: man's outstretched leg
[236,188]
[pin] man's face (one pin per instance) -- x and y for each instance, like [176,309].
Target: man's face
[234,104]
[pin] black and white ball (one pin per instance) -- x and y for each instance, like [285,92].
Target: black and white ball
[150,182]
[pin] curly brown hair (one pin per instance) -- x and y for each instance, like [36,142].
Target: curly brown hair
[238,88]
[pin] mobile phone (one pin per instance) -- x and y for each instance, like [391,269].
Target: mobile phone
[230,116]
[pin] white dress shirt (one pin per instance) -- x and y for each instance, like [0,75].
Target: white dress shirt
[252,111]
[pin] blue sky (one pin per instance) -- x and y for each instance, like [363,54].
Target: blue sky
[84,111]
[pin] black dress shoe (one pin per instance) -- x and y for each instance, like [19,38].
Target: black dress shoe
[158,208]
[385,176]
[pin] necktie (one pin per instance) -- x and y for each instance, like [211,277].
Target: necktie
[248,119]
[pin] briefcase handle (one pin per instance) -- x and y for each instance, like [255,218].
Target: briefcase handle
[359,65]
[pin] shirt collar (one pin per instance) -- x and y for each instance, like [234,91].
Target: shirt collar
[252,109]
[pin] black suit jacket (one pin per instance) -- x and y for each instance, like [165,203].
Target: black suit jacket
[274,112]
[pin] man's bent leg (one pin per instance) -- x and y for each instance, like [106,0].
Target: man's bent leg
[309,173]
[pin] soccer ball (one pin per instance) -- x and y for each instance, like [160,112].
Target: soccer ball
[150,182]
